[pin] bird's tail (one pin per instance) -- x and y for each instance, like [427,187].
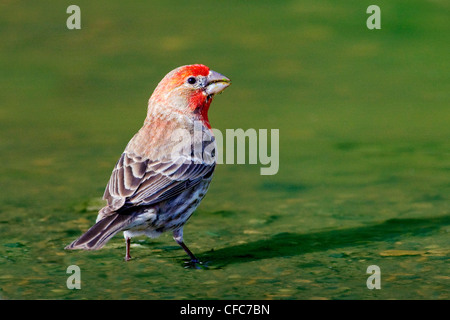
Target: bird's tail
[100,233]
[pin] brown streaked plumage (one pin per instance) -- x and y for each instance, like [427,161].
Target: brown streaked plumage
[166,168]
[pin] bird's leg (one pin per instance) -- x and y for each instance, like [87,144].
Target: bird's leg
[178,237]
[189,252]
[127,254]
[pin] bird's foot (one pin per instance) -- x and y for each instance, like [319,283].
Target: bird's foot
[127,258]
[195,264]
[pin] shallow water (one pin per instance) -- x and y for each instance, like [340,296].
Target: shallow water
[364,149]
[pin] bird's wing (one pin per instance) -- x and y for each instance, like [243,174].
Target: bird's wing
[138,181]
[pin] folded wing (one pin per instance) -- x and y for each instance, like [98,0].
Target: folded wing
[136,181]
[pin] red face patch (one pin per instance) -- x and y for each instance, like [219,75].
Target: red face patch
[198,102]
[195,70]
[190,71]
[179,75]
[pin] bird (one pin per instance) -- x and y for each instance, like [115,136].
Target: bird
[166,168]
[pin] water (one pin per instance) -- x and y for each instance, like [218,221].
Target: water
[364,149]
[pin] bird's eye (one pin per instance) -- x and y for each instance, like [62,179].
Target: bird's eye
[191,80]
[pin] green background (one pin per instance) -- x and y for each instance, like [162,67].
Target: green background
[364,147]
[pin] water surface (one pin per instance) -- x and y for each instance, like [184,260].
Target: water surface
[364,148]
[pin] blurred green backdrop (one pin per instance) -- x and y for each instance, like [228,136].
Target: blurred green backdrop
[364,147]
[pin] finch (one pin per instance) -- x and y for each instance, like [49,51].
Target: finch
[166,168]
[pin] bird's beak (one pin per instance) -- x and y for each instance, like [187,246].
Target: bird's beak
[216,83]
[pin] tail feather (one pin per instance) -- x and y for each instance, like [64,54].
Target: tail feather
[100,233]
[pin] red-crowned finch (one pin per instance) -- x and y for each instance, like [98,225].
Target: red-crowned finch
[166,168]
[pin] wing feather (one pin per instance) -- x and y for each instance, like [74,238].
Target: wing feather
[138,181]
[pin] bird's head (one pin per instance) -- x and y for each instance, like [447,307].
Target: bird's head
[188,90]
